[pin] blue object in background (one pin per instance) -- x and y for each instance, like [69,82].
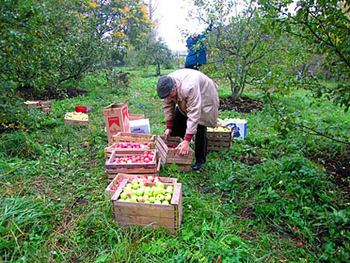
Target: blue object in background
[197,55]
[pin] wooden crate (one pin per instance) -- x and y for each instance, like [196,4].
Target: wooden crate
[134,116]
[120,177]
[218,141]
[75,122]
[150,215]
[112,173]
[113,169]
[168,154]
[110,149]
[42,105]
[133,137]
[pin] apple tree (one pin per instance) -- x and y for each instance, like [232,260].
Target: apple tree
[241,46]
[48,42]
[324,25]
[153,52]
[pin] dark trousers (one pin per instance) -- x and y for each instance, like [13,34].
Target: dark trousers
[195,66]
[201,140]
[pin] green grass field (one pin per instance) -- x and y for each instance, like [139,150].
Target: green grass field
[286,209]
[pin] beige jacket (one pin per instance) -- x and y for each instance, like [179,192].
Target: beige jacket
[197,98]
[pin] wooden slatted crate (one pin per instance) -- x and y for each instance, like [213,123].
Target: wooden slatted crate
[111,173]
[134,137]
[120,177]
[111,148]
[112,169]
[168,154]
[150,215]
[135,116]
[42,105]
[218,141]
[69,121]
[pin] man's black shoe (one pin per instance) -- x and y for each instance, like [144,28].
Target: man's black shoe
[197,166]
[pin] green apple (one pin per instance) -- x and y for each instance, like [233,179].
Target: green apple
[158,191]
[165,202]
[167,197]
[148,191]
[160,197]
[139,192]
[133,198]
[146,198]
[140,199]
[169,189]
[157,202]
[123,196]
[127,188]
[135,186]
[152,199]
[160,184]
[147,202]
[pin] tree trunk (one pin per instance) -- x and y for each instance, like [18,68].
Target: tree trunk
[158,69]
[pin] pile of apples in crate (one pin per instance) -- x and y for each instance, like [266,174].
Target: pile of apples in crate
[149,190]
[129,145]
[76,116]
[146,157]
[219,129]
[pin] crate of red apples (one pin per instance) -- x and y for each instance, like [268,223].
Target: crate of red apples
[135,161]
[127,146]
[148,201]
[168,153]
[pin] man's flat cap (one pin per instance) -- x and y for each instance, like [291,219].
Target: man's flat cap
[165,86]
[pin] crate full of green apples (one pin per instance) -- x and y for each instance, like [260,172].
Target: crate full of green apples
[150,202]
[219,138]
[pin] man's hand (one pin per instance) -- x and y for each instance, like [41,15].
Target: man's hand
[167,134]
[183,148]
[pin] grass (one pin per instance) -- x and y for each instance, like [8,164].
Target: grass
[286,209]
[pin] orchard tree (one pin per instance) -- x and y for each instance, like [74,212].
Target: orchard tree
[47,42]
[240,45]
[153,52]
[325,26]
[32,46]
[111,27]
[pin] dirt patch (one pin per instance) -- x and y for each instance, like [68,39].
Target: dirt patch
[39,184]
[206,189]
[73,92]
[243,105]
[338,167]
[250,160]
[246,212]
[51,93]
